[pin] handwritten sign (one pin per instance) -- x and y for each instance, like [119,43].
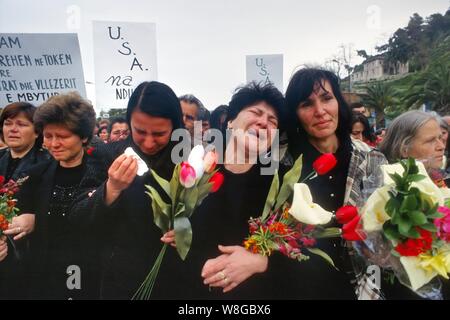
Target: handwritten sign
[266,69]
[124,56]
[34,67]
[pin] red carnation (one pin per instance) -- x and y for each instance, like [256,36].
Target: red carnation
[2,179]
[324,163]
[414,247]
[90,151]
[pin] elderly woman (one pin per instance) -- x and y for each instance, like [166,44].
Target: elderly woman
[321,123]
[59,248]
[415,134]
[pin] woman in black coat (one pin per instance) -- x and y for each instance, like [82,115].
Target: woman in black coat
[220,225]
[122,209]
[63,257]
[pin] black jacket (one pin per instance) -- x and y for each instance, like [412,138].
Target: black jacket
[82,246]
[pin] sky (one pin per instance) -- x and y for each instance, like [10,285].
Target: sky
[202,44]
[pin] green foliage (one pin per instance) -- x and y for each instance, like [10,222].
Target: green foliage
[408,208]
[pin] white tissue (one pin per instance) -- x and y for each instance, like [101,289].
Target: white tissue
[142,166]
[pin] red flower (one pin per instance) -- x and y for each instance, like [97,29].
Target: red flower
[324,163]
[345,214]
[2,179]
[349,230]
[90,151]
[3,223]
[216,180]
[414,247]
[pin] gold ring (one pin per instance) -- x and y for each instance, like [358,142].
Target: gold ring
[222,275]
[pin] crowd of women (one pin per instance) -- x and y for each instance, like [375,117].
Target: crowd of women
[86,207]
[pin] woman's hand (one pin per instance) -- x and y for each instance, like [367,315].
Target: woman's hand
[120,175]
[3,248]
[21,226]
[233,267]
[169,238]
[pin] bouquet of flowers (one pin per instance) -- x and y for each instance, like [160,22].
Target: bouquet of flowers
[406,227]
[8,208]
[290,224]
[190,184]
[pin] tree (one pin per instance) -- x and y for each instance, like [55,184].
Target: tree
[431,87]
[379,95]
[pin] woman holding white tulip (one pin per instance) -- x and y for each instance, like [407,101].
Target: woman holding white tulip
[121,210]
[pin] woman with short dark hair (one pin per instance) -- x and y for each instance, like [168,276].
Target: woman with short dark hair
[67,122]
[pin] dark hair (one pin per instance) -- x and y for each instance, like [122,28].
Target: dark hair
[204,114]
[356,105]
[101,129]
[367,131]
[70,110]
[13,110]
[253,93]
[190,98]
[301,86]
[114,121]
[158,100]
[216,115]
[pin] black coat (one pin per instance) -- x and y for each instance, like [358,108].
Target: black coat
[223,219]
[131,237]
[82,244]
[35,156]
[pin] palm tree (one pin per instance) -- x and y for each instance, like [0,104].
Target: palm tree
[379,96]
[431,87]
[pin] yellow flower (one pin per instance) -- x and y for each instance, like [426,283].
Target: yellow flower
[305,210]
[440,263]
[422,269]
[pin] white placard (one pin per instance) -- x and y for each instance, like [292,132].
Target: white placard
[34,67]
[265,68]
[124,56]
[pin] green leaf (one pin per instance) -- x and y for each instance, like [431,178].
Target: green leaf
[290,178]
[413,168]
[404,226]
[190,200]
[415,177]
[429,227]
[183,236]
[174,183]
[271,197]
[409,203]
[203,191]
[435,215]
[165,185]
[417,218]
[397,178]
[391,232]
[392,205]
[413,233]
[160,217]
[322,254]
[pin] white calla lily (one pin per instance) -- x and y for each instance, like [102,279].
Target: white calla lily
[427,186]
[305,210]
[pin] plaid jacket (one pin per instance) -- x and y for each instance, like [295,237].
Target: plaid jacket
[364,175]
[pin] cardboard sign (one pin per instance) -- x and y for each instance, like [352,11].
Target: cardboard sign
[34,67]
[124,56]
